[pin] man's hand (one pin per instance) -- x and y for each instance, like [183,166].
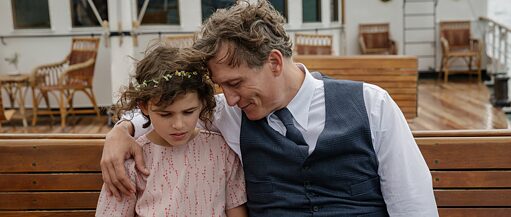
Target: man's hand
[119,146]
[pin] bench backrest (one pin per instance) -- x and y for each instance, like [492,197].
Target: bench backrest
[396,74]
[50,177]
[471,171]
[60,176]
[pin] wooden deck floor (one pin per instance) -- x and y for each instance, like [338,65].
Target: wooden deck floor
[455,105]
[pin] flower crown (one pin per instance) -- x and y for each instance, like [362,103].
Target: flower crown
[167,76]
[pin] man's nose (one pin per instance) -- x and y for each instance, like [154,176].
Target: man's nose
[231,97]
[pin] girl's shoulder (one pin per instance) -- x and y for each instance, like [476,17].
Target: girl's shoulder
[210,135]
[207,133]
[143,140]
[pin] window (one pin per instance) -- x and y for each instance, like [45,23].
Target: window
[29,14]
[160,12]
[311,10]
[334,10]
[280,6]
[82,14]
[210,6]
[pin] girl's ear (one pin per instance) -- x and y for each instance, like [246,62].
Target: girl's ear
[144,107]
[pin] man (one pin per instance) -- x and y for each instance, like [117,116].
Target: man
[360,161]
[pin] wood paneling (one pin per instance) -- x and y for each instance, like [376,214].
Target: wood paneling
[56,176]
[471,171]
[396,74]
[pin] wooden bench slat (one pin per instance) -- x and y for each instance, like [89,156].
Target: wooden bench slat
[377,79]
[48,200]
[371,72]
[50,156]
[67,213]
[370,61]
[51,136]
[474,212]
[471,198]
[471,179]
[461,133]
[407,104]
[466,152]
[386,85]
[51,182]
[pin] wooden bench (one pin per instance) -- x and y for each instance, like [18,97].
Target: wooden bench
[396,74]
[471,171]
[60,175]
[55,176]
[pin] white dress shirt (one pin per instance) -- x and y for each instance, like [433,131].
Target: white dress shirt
[404,176]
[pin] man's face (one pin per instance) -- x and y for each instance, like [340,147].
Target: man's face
[254,90]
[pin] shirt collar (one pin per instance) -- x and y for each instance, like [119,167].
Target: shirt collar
[300,104]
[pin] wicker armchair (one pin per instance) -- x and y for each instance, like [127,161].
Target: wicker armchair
[457,44]
[313,44]
[63,79]
[375,39]
[5,115]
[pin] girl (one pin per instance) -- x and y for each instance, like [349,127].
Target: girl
[192,172]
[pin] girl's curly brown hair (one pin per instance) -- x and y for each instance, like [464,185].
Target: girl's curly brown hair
[161,60]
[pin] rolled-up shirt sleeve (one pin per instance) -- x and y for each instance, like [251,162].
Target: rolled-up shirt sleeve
[138,120]
[404,175]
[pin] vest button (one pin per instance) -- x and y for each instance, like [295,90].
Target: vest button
[315,208]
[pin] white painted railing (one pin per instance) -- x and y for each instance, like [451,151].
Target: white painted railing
[498,46]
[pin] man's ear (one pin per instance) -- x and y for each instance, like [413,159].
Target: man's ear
[276,60]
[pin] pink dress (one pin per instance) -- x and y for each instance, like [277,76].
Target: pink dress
[201,178]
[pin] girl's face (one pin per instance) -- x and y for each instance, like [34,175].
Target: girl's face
[175,124]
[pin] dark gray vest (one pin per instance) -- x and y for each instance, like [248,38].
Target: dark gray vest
[340,178]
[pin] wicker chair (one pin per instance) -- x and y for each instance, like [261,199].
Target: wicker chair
[457,44]
[181,40]
[63,79]
[313,44]
[375,39]
[5,115]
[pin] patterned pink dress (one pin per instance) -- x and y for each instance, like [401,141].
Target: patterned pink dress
[202,178]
